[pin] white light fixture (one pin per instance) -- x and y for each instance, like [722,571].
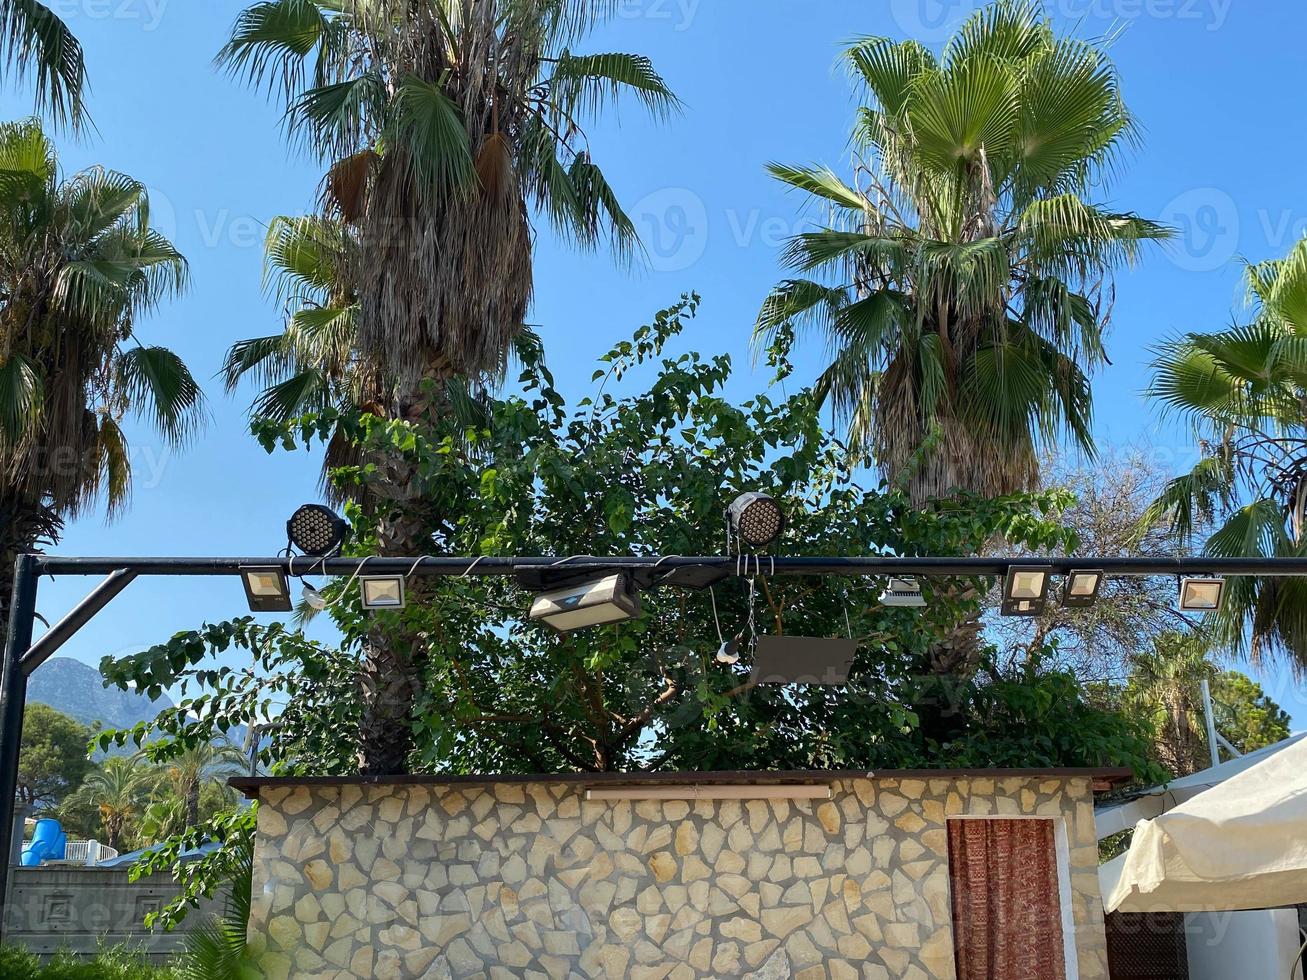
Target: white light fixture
[383,591]
[313,598]
[595,602]
[266,589]
[1201,594]
[903,593]
[1025,592]
[709,792]
[1082,587]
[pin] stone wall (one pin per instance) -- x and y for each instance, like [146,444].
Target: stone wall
[501,881]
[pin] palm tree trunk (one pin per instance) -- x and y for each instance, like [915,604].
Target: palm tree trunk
[395,661]
[24,526]
[193,804]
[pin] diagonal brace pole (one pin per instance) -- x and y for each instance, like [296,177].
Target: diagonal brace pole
[64,630]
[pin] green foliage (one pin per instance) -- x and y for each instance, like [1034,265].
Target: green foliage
[1245,715]
[642,466]
[641,473]
[80,267]
[111,963]
[1242,391]
[52,760]
[35,42]
[217,950]
[963,286]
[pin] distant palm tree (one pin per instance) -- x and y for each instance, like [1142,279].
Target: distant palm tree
[1164,689]
[34,41]
[119,789]
[963,286]
[445,126]
[184,776]
[1244,391]
[80,265]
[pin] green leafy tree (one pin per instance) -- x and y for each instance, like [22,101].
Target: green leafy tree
[1243,391]
[183,777]
[444,127]
[643,473]
[1245,715]
[80,265]
[52,759]
[119,791]
[35,42]
[1164,690]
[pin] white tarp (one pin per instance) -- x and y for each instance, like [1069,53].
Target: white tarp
[1241,844]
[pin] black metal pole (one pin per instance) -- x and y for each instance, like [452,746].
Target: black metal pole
[64,630]
[13,697]
[874,566]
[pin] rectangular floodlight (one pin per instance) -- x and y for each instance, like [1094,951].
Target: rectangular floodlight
[903,593]
[596,602]
[266,589]
[1082,588]
[382,591]
[1201,594]
[1025,592]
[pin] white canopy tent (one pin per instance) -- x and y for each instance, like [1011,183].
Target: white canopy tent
[1222,844]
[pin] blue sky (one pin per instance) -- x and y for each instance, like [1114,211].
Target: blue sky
[1223,144]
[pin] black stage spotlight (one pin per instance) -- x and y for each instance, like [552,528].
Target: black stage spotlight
[755,519]
[316,530]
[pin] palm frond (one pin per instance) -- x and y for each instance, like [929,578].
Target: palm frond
[34,41]
[22,398]
[589,83]
[154,383]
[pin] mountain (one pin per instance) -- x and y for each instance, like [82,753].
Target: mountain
[78,690]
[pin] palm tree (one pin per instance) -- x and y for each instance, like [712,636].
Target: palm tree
[119,790]
[444,125]
[33,40]
[443,122]
[1164,689]
[79,266]
[1244,391]
[963,284]
[184,776]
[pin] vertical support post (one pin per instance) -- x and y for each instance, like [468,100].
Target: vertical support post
[1213,745]
[13,698]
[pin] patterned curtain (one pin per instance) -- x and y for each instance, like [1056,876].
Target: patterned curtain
[1007,921]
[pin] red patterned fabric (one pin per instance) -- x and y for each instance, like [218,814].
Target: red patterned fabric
[1007,921]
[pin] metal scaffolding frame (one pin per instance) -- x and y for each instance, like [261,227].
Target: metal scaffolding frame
[22,655]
